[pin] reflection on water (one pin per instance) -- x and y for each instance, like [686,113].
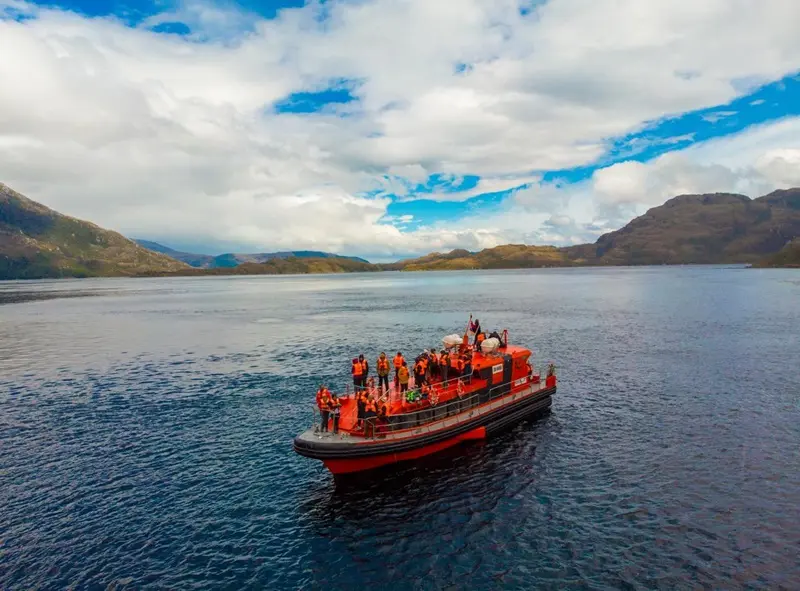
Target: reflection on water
[19,297]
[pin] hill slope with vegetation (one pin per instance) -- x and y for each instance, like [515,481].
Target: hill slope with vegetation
[788,256]
[714,228]
[37,242]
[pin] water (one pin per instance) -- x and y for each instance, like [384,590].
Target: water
[146,426]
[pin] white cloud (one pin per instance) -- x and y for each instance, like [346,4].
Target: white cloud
[163,136]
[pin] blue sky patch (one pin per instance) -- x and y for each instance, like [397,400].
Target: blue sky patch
[316,101]
[770,102]
[136,11]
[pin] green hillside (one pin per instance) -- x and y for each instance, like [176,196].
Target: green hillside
[37,242]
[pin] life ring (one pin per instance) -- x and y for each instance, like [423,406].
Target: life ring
[434,397]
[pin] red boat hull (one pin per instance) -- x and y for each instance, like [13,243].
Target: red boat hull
[348,466]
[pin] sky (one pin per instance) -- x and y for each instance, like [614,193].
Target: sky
[392,128]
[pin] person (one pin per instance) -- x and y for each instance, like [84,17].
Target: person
[369,417]
[358,374]
[460,365]
[475,327]
[361,408]
[335,409]
[382,420]
[444,365]
[479,338]
[419,372]
[434,365]
[398,363]
[383,372]
[323,403]
[468,366]
[496,335]
[364,365]
[403,377]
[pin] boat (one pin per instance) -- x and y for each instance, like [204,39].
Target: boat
[501,389]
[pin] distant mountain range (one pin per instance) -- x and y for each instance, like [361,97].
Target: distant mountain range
[37,242]
[230,260]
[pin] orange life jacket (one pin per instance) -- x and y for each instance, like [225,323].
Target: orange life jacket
[460,364]
[365,366]
[398,361]
[383,366]
[371,406]
[358,369]
[444,359]
[402,374]
[419,367]
[481,337]
[320,393]
[324,401]
[434,359]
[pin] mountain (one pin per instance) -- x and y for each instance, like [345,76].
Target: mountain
[37,242]
[713,228]
[281,266]
[788,256]
[688,229]
[509,256]
[230,260]
[193,260]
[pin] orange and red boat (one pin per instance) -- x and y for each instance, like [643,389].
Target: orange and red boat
[502,389]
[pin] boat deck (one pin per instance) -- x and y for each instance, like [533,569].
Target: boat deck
[428,419]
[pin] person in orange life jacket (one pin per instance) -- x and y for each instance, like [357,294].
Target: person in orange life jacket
[336,407]
[369,416]
[398,363]
[433,366]
[402,377]
[419,372]
[468,365]
[383,372]
[479,338]
[358,374]
[364,366]
[459,366]
[444,365]
[323,402]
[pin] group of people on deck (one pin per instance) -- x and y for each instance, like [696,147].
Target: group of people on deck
[430,369]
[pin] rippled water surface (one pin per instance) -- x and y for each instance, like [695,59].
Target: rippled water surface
[145,434]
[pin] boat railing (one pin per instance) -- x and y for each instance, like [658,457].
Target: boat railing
[420,420]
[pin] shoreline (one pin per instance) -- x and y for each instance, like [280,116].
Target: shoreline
[203,273]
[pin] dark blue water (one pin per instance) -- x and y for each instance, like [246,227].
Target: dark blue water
[146,426]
